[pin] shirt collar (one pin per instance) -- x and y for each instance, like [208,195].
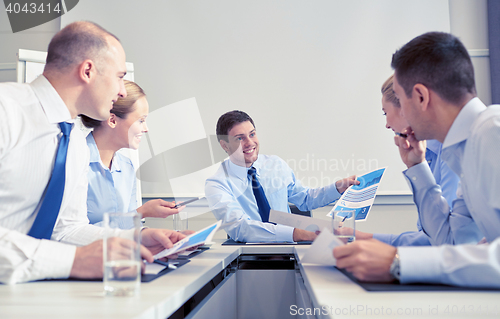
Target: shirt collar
[257,165]
[242,172]
[460,129]
[52,104]
[95,157]
[115,164]
[434,146]
[94,152]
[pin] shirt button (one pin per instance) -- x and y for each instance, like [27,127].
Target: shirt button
[414,178]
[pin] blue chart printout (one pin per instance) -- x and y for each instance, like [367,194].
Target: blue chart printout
[201,237]
[360,197]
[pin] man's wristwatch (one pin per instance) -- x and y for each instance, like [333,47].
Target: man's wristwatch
[394,270]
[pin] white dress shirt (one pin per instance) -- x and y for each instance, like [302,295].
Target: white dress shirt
[231,198]
[472,150]
[456,225]
[29,137]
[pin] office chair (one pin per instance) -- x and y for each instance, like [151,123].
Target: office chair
[295,210]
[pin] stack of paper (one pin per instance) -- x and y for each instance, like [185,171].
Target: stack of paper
[360,197]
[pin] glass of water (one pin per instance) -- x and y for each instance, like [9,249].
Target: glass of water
[122,255]
[344,224]
[180,221]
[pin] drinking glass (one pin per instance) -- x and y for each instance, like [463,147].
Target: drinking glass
[344,224]
[122,255]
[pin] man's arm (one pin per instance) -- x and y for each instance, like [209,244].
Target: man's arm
[306,198]
[304,235]
[24,258]
[88,261]
[461,265]
[411,238]
[449,183]
[311,198]
[481,171]
[225,207]
[441,224]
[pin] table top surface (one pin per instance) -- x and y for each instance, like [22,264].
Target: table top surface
[331,292]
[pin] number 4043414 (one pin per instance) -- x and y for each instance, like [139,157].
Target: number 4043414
[15,7]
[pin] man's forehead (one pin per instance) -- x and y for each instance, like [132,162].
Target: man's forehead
[241,128]
[115,49]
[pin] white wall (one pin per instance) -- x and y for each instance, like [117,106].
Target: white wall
[309,73]
[469,22]
[37,38]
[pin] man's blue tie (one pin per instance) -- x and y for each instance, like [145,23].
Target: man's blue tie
[47,215]
[260,196]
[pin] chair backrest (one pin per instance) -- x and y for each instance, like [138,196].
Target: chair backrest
[295,210]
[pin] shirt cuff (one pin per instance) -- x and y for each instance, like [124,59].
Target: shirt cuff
[284,233]
[420,176]
[53,259]
[419,264]
[385,238]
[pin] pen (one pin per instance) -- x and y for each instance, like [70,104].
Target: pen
[186,202]
[401,134]
[167,264]
[342,222]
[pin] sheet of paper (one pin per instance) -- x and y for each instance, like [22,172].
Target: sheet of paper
[299,221]
[267,243]
[203,236]
[321,250]
[360,197]
[153,268]
[187,253]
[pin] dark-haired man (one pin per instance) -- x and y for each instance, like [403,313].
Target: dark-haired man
[434,81]
[248,185]
[44,162]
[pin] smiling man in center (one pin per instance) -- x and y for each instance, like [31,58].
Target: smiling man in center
[248,185]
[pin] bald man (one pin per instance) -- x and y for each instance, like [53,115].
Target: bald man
[83,75]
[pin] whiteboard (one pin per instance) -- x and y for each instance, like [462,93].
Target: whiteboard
[30,65]
[308,72]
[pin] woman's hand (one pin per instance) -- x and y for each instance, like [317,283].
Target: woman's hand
[158,208]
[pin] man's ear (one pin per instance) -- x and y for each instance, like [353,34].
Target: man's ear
[421,96]
[87,70]
[112,120]
[224,145]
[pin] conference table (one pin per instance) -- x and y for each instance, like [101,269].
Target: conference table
[246,281]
